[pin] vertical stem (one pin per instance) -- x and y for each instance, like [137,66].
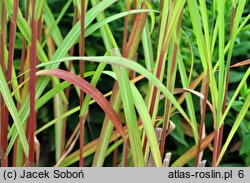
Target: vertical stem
[203,115]
[170,86]
[168,105]
[115,156]
[135,5]
[153,101]
[227,79]
[67,90]
[32,86]
[158,72]
[215,149]
[12,38]
[12,41]
[23,55]
[223,110]
[2,116]
[82,50]
[125,155]
[125,30]
[136,33]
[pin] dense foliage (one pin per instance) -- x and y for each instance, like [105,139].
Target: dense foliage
[181,67]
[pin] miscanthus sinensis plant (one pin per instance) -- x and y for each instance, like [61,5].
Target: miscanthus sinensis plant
[90,82]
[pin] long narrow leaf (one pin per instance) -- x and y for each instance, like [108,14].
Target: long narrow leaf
[93,92]
[13,111]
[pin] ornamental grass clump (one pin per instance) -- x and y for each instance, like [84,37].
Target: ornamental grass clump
[124,83]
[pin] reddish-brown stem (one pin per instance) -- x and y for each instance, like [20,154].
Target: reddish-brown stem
[136,33]
[153,101]
[137,29]
[170,86]
[126,152]
[203,115]
[220,139]
[215,148]
[158,73]
[23,55]
[165,46]
[223,110]
[125,30]
[135,5]
[227,79]
[131,48]
[166,121]
[12,38]
[82,50]
[32,87]
[71,53]
[2,117]
[232,21]
[115,156]
[39,28]
[3,36]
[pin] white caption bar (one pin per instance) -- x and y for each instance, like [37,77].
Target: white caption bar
[124,175]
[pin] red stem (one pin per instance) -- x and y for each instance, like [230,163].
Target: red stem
[125,30]
[152,104]
[166,122]
[215,148]
[12,38]
[23,55]
[32,87]
[115,156]
[223,110]
[82,50]
[67,90]
[202,123]
[226,91]
[126,146]
[2,120]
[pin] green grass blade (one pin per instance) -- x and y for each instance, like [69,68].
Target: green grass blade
[105,21]
[147,48]
[133,66]
[147,124]
[242,113]
[93,92]
[68,42]
[221,81]
[188,96]
[13,111]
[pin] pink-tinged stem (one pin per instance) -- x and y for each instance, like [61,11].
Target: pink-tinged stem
[125,30]
[12,38]
[23,56]
[82,50]
[2,116]
[126,152]
[115,156]
[203,115]
[227,79]
[166,121]
[67,90]
[32,86]
[215,148]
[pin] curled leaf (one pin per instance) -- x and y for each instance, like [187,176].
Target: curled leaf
[90,90]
